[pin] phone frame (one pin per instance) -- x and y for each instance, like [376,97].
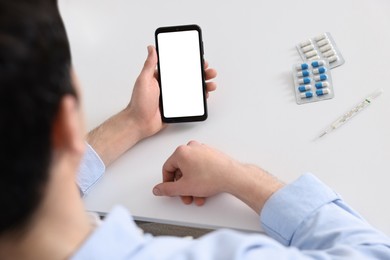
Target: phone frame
[180,28]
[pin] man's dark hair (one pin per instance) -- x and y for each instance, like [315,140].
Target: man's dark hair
[34,75]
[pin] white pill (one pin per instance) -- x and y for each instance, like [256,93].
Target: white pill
[323,42]
[315,58]
[326,48]
[320,37]
[329,53]
[305,43]
[308,48]
[310,54]
[333,59]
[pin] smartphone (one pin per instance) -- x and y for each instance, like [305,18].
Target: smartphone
[181,73]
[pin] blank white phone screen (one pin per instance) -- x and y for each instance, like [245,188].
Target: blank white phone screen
[181,74]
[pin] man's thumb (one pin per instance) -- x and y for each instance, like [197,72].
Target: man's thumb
[150,62]
[166,189]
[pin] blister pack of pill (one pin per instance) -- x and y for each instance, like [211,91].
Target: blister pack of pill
[321,47]
[312,81]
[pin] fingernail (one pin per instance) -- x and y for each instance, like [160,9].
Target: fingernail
[149,49]
[156,192]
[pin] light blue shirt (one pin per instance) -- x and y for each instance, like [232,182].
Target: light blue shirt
[303,220]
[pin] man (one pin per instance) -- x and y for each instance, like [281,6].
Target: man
[41,140]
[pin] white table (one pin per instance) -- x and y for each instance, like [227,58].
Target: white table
[253,115]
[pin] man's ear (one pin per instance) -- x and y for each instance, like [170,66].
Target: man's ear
[67,134]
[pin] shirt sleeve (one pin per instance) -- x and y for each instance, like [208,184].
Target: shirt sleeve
[90,171]
[310,216]
[304,220]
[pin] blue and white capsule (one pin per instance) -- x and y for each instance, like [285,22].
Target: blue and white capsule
[321,92]
[321,77]
[304,81]
[303,73]
[318,63]
[319,70]
[303,66]
[323,84]
[304,88]
[307,94]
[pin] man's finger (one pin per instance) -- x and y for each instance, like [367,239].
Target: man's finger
[210,74]
[167,189]
[199,201]
[211,86]
[187,199]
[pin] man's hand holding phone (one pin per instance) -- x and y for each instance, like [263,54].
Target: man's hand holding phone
[181,74]
[144,104]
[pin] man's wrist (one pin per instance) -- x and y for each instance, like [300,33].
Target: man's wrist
[131,126]
[115,136]
[253,186]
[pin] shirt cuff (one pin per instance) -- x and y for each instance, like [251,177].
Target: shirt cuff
[90,171]
[286,209]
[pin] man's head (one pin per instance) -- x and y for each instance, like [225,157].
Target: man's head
[35,77]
